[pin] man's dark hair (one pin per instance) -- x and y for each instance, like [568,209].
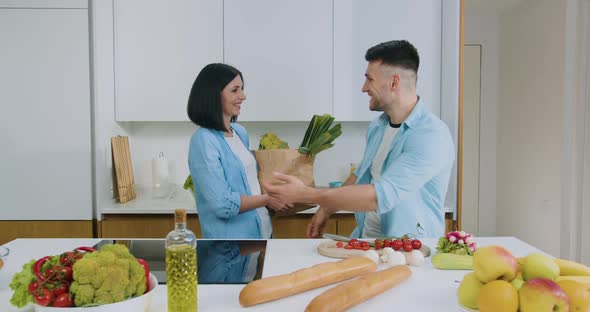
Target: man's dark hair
[395,53]
[204,101]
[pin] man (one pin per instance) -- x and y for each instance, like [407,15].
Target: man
[402,180]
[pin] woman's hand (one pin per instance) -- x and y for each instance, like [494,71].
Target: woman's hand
[278,205]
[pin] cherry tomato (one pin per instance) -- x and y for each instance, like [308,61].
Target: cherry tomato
[396,244]
[339,244]
[33,286]
[49,274]
[60,288]
[406,239]
[407,246]
[378,244]
[416,244]
[365,248]
[67,258]
[63,300]
[43,297]
[64,273]
[353,241]
[348,247]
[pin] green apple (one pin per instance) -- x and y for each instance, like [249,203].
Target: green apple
[538,265]
[542,294]
[468,290]
[494,262]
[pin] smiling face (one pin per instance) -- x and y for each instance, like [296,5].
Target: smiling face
[232,97]
[379,81]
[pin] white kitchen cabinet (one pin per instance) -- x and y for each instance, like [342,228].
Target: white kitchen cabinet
[359,25]
[45,124]
[284,50]
[160,46]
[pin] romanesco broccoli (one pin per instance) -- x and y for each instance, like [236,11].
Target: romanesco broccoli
[107,276]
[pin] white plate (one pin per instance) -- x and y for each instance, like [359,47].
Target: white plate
[137,304]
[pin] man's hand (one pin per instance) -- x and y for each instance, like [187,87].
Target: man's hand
[286,188]
[318,223]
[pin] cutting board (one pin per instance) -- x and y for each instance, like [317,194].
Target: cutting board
[329,249]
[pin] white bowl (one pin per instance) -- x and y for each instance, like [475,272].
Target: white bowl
[3,255]
[137,304]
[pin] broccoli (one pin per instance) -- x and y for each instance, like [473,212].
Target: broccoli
[107,276]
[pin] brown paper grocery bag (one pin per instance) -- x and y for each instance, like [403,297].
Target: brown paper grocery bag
[287,161]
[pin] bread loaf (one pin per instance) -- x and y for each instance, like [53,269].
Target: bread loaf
[280,286]
[351,293]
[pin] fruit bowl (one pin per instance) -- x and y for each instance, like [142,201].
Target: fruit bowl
[137,304]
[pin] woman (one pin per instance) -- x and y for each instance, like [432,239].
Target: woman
[223,169]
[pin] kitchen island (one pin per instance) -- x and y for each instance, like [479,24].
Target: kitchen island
[428,289]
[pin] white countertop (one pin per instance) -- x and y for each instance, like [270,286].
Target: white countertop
[428,289]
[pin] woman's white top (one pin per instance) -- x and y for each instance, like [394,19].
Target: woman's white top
[250,166]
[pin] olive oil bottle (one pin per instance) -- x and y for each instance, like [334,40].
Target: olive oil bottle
[181,266]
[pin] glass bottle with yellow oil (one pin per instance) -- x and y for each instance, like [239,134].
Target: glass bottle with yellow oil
[181,266]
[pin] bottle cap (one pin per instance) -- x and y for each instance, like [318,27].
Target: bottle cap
[180,215]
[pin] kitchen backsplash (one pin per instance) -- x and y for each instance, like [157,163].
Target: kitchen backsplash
[148,139]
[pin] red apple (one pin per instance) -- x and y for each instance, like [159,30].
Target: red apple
[541,294]
[494,262]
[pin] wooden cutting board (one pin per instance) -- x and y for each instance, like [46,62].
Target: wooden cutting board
[329,249]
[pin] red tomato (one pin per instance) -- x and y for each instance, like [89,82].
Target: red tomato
[339,244]
[67,258]
[416,244]
[43,297]
[396,245]
[34,285]
[348,247]
[353,241]
[63,300]
[405,239]
[49,274]
[60,288]
[378,245]
[407,246]
[387,242]
[64,273]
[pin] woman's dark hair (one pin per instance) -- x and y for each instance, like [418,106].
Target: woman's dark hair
[204,101]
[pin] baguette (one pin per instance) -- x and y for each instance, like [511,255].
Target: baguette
[319,275]
[351,293]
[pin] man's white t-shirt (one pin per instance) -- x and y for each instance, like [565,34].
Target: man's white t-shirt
[372,226]
[249,163]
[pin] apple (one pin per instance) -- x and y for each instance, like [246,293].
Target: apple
[538,265]
[468,290]
[542,294]
[494,262]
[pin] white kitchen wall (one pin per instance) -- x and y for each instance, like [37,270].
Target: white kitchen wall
[483,29]
[530,123]
[147,139]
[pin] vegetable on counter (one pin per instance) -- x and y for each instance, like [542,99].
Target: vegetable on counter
[188,184]
[110,275]
[455,251]
[457,242]
[81,277]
